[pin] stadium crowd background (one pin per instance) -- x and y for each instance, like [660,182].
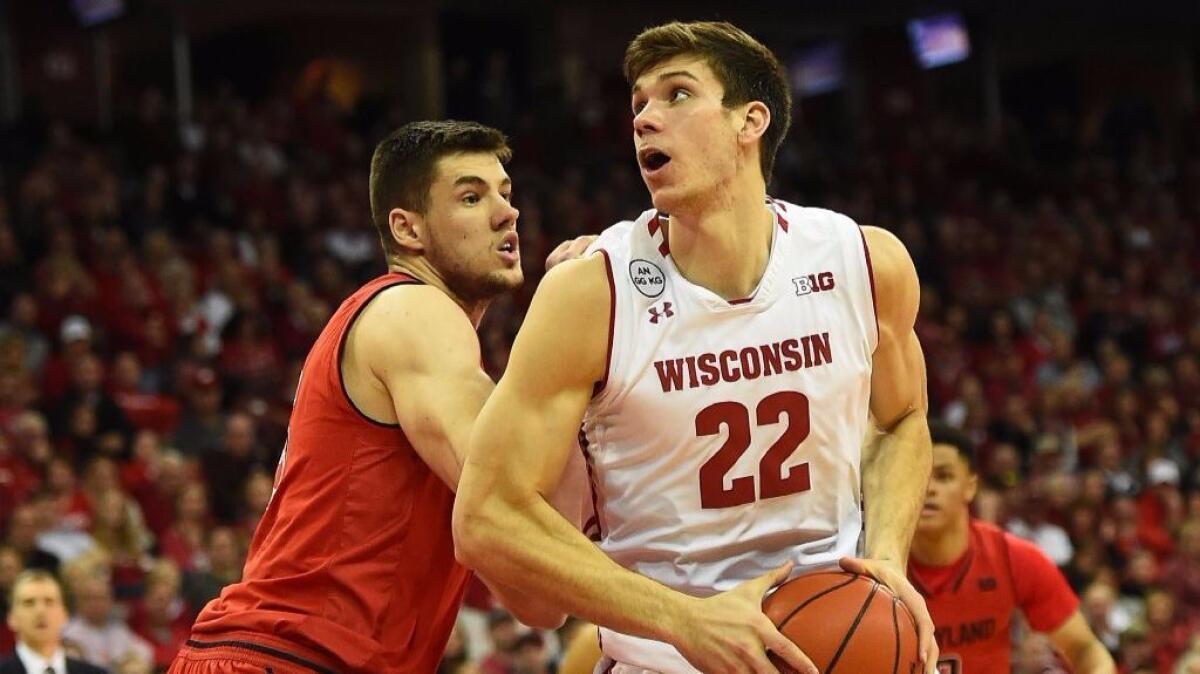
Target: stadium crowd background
[161,282]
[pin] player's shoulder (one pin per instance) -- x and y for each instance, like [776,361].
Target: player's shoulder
[579,286]
[813,218]
[618,239]
[404,321]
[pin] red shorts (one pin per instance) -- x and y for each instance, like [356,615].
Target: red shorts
[236,657]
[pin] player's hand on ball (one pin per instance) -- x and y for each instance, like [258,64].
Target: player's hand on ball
[892,575]
[569,250]
[729,633]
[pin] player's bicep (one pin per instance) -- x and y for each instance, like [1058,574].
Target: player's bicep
[529,425]
[898,367]
[426,354]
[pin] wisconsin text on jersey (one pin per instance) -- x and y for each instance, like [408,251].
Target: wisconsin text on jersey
[748,363]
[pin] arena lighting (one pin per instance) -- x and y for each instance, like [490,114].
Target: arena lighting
[818,69]
[940,39]
[95,12]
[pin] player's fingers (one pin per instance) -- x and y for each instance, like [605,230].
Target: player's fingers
[774,577]
[786,650]
[556,255]
[580,245]
[853,565]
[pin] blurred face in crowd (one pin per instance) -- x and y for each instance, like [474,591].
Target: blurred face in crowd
[11,564]
[94,600]
[38,614]
[23,527]
[223,550]
[687,142]
[952,486]
[469,230]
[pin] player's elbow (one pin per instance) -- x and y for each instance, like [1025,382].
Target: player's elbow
[474,534]
[537,618]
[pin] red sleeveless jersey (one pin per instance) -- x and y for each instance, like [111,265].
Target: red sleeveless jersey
[352,567]
[972,600]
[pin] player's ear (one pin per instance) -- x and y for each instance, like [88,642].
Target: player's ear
[972,486]
[408,230]
[755,119]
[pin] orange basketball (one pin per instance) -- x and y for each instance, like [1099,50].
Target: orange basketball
[847,624]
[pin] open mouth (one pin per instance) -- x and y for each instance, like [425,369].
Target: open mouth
[653,159]
[509,244]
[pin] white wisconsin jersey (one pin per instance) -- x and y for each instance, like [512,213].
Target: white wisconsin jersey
[726,438]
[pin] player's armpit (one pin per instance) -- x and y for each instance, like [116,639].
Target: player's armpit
[422,351]
[1076,641]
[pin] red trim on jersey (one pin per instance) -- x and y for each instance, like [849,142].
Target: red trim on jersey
[654,225]
[612,323]
[404,279]
[587,463]
[871,277]
[742,300]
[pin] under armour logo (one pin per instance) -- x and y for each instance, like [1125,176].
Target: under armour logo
[666,312]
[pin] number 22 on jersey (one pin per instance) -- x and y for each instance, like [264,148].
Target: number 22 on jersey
[771,482]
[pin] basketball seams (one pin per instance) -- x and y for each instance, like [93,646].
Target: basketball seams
[822,593]
[853,627]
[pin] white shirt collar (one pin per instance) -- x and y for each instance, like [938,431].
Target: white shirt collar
[36,664]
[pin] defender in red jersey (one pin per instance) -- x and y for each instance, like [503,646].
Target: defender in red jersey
[974,576]
[352,568]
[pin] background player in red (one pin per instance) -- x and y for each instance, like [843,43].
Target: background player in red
[974,575]
[352,567]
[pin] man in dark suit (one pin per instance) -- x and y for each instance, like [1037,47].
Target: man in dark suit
[37,616]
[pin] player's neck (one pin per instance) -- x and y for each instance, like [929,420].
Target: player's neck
[420,269]
[942,548]
[725,245]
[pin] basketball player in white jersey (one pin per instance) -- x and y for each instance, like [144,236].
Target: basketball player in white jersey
[722,357]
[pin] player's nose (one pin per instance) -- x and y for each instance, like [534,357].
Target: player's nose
[647,120]
[506,217]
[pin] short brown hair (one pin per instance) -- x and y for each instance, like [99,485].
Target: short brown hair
[33,576]
[402,167]
[746,69]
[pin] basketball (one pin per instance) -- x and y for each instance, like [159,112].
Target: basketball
[846,623]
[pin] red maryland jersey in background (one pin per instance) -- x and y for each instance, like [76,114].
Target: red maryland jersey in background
[352,567]
[972,600]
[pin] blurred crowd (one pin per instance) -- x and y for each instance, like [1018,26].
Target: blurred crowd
[160,286]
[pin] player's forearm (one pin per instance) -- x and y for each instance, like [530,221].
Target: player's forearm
[1093,658]
[895,477]
[534,550]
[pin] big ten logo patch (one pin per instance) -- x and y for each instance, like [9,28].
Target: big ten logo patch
[814,283]
[647,278]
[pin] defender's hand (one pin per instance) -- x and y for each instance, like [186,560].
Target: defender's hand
[569,250]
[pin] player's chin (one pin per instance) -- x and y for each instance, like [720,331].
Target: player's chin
[505,280]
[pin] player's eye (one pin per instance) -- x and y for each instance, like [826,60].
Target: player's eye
[680,94]
[507,196]
[638,105]
[470,198]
